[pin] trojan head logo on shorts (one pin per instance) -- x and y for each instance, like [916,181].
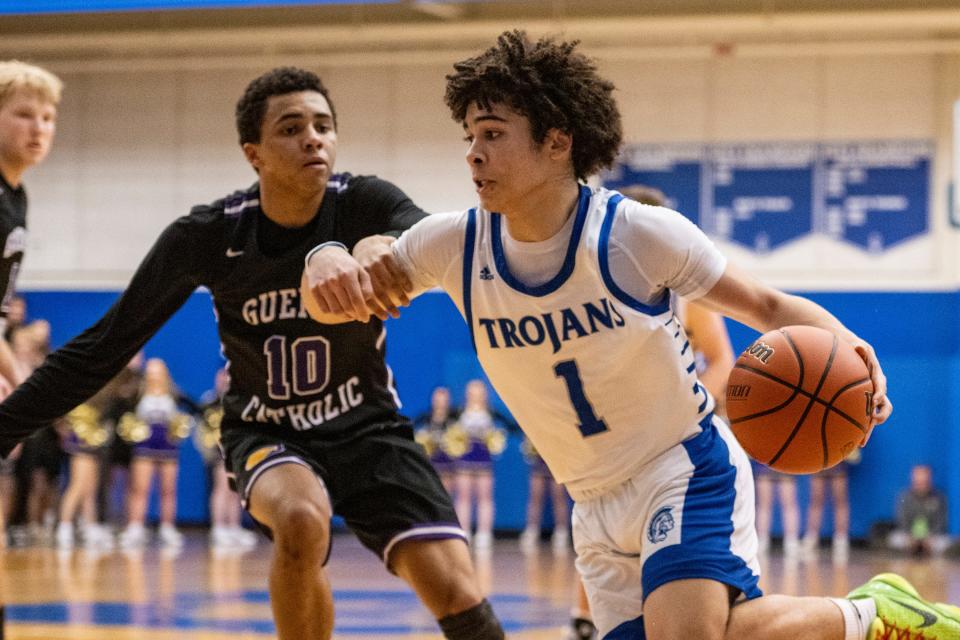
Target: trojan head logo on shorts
[661,525]
[260,455]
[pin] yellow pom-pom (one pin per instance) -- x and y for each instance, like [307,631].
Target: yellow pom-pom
[425,439]
[85,422]
[179,428]
[455,442]
[496,441]
[132,429]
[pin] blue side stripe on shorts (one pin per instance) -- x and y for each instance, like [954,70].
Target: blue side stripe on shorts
[704,550]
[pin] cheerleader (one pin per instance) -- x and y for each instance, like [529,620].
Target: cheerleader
[473,441]
[225,509]
[541,481]
[429,429]
[835,480]
[85,441]
[155,430]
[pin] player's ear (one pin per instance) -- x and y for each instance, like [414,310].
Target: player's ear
[559,143]
[252,153]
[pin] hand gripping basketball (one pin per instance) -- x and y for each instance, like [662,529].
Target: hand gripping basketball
[800,399]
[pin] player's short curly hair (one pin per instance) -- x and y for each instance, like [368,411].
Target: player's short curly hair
[553,85]
[252,105]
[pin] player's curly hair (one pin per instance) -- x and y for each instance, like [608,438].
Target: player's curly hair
[252,105]
[551,84]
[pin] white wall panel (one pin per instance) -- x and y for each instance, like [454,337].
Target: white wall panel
[209,162]
[879,96]
[135,150]
[662,101]
[755,99]
[129,165]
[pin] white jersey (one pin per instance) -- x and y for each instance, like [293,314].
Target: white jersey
[602,382]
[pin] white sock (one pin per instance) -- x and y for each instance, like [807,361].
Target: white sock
[867,608]
[857,616]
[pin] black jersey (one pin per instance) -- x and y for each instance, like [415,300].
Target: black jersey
[288,374]
[13,235]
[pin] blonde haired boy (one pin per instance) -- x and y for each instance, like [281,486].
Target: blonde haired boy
[29,97]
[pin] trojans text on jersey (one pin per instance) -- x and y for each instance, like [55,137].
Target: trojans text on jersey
[557,326]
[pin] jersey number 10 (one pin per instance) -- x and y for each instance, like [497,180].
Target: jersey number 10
[307,363]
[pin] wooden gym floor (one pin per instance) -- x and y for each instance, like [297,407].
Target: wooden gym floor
[200,594]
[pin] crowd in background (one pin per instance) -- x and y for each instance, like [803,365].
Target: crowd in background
[87,479]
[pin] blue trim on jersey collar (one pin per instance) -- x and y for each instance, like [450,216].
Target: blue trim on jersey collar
[603,249]
[469,244]
[569,261]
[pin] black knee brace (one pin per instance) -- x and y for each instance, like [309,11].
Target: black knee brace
[476,623]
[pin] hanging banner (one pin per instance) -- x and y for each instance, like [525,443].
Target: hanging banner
[873,195]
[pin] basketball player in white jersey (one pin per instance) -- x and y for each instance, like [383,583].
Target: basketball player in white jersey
[567,293]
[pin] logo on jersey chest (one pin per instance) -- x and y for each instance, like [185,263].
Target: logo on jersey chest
[554,327]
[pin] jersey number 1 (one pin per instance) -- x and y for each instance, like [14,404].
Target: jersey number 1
[590,424]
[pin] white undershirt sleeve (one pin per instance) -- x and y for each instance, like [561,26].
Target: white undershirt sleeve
[431,251]
[655,248]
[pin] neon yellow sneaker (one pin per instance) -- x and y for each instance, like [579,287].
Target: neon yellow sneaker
[951,610]
[877,630]
[905,615]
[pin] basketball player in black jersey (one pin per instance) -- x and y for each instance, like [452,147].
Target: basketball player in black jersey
[310,425]
[29,97]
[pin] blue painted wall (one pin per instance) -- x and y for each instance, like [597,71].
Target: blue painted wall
[914,333]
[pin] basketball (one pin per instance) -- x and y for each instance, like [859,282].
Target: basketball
[799,399]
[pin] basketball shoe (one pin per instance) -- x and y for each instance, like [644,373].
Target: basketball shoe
[905,615]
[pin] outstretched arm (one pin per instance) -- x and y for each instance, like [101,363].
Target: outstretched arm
[383,274]
[745,299]
[76,371]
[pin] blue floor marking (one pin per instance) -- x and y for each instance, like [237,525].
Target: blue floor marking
[358,611]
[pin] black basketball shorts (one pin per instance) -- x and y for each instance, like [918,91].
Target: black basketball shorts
[381,483]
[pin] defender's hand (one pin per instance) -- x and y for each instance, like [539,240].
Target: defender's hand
[337,285]
[388,280]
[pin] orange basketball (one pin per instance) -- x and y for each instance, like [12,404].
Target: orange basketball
[799,399]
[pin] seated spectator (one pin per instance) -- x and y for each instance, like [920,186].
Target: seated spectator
[921,516]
